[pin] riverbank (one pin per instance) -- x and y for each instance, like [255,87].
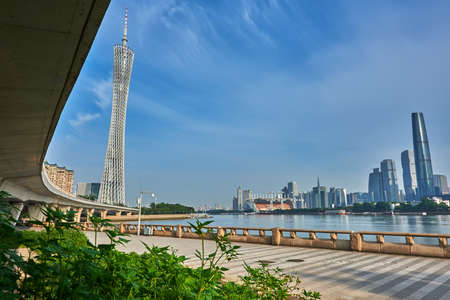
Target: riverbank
[149,217]
[348,213]
[156,217]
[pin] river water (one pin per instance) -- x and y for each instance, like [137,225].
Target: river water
[396,223]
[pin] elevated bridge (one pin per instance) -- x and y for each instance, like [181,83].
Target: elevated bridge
[44,46]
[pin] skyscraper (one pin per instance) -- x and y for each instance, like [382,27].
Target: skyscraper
[440,185]
[112,190]
[409,175]
[247,195]
[292,189]
[422,157]
[88,189]
[376,193]
[389,180]
[319,196]
[240,202]
[341,197]
[337,197]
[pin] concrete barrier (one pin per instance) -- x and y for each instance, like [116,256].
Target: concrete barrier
[277,236]
[289,237]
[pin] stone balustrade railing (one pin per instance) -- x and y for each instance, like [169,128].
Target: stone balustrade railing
[327,239]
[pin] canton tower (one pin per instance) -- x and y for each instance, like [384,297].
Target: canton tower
[112,189]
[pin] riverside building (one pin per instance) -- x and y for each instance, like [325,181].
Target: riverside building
[422,157]
[61,177]
[409,175]
[389,180]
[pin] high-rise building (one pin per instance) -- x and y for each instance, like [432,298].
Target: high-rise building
[88,189]
[240,202]
[247,195]
[376,193]
[332,197]
[440,185]
[422,157]
[112,190]
[409,175]
[389,180]
[235,203]
[292,190]
[341,197]
[61,177]
[319,196]
[337,197]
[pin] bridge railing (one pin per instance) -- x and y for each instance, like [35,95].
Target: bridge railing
[363,241]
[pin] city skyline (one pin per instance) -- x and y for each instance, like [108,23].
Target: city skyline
[281,104]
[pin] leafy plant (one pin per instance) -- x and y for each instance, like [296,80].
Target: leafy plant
[10,261]
[65,265]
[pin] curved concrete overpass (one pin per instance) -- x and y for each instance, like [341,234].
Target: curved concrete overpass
[44,46]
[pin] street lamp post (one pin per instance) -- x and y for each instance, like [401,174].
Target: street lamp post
[140,206]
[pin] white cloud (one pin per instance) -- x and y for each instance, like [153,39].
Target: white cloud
[102,89]
[83,118]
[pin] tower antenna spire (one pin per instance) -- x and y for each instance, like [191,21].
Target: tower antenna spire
[124,39]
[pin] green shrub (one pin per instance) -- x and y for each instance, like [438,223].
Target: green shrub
[68,266]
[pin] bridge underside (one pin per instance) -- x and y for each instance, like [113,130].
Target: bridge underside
[44,45]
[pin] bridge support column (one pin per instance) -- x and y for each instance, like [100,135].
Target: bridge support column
[77,215]
[89,213]
[129,213]
[118,213]
[16,210]
[35,212]
[64,209]
[103,214]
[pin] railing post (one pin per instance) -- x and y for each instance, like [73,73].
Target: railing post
[409,240]
[245,232]
[443,242]
[220,231]
[293,234]
[122,228]
[262,233]
[312,236]
[276,236]
[380,238]
[333,236]
[179,231]
[356,241]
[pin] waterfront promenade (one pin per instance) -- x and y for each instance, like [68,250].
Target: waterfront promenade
[335,274]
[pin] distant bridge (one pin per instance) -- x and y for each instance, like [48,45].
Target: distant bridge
[44,46]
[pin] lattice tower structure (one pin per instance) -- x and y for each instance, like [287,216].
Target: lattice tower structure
[112,189]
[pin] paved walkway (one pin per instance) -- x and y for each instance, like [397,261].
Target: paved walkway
[335,274]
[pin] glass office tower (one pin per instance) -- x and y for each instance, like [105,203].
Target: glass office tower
[422,157]
[409,175]
[389,180]
[376,193]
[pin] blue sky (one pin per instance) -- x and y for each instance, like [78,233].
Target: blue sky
[257,93]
